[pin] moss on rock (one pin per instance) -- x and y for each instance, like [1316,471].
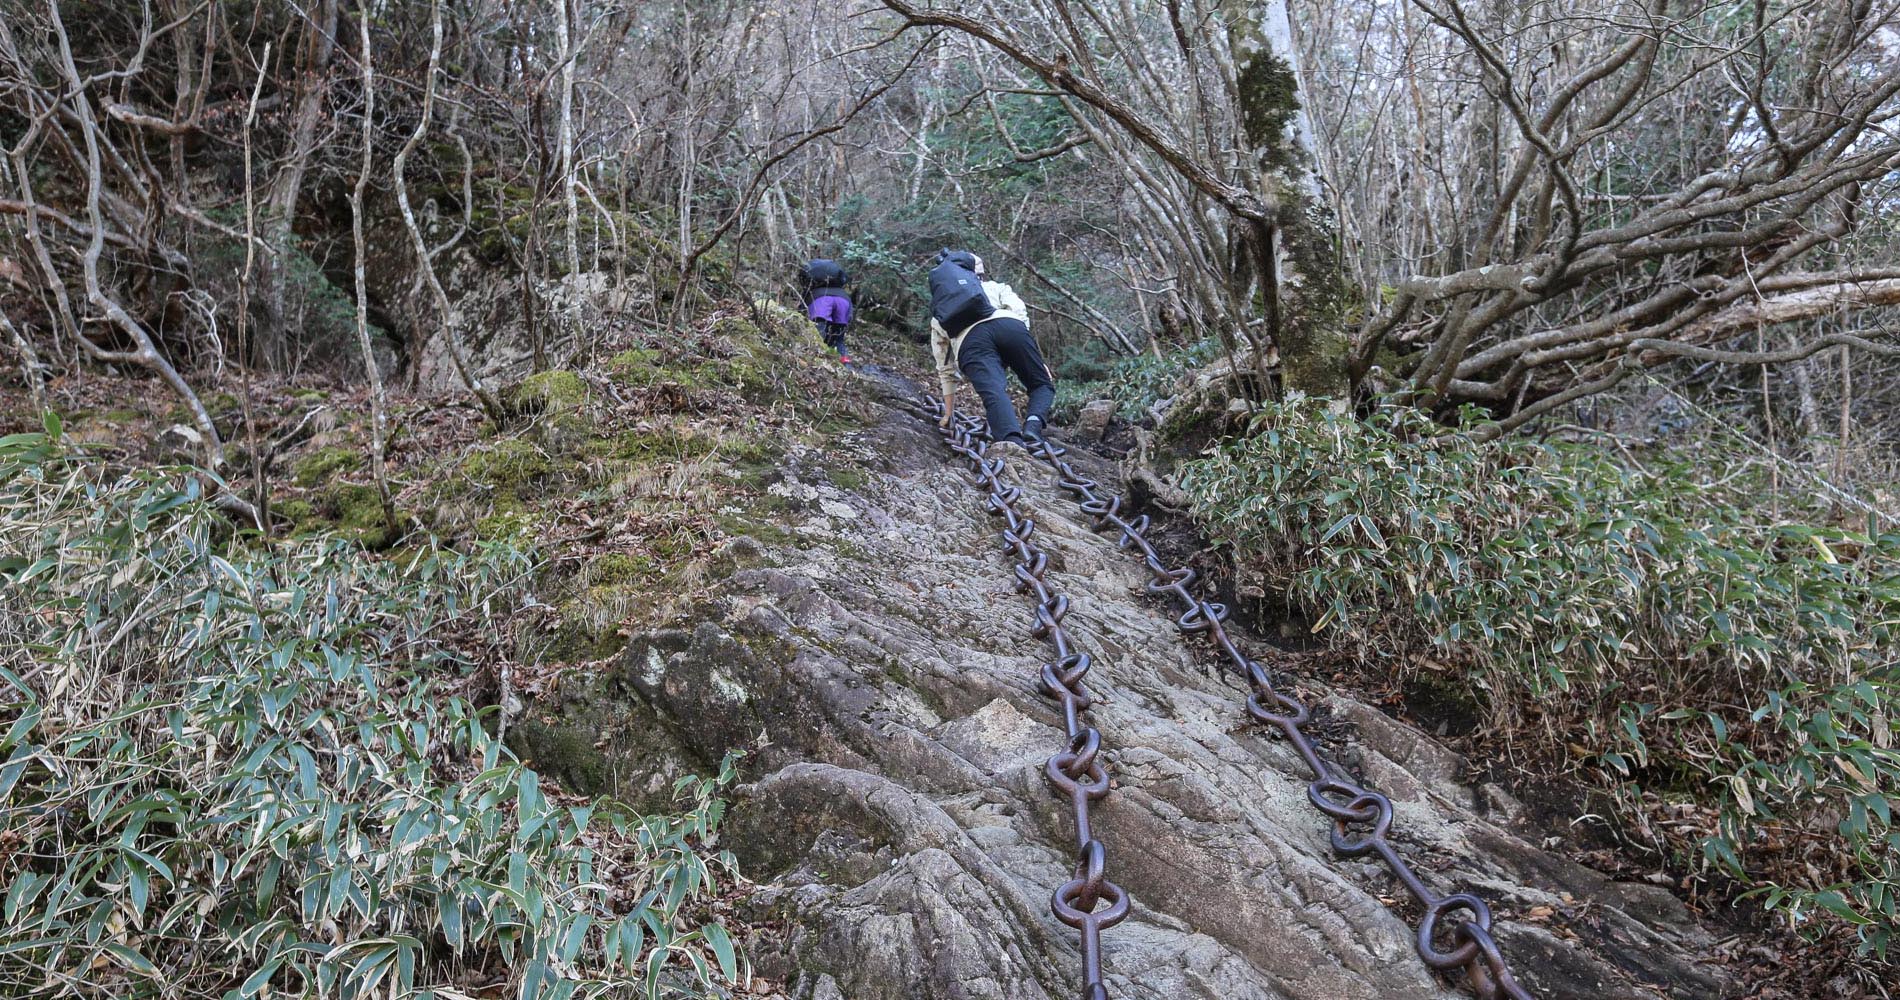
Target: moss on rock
[757,524]
[354,505]
[779,320]
[350,510]
[548,392]
[636,364]
[324,464]
[578,641]
[739,329]
[300,513]
[741,370]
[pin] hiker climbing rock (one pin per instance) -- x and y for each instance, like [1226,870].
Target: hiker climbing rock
[979,327]
[829,303]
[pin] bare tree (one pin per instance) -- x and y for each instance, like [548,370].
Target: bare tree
[772,157]
[570,179]
[315,53]
[1216,167]
[29,363]
[143,351]
[1563,183]
[378,404]
[425,257]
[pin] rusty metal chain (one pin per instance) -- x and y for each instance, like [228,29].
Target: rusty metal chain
[1361,817]
[1077,771]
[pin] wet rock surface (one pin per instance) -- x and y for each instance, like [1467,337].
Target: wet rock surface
[881,665]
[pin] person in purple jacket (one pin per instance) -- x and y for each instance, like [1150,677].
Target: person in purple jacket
[830,308]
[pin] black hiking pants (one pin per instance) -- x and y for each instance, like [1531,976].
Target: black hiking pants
[993,346]
[833,334]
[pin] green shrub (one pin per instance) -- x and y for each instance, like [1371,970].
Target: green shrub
[223,776]
[1133,383]
[1656,615]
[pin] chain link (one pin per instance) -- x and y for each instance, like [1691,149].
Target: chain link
[1088,902]
[1361,818]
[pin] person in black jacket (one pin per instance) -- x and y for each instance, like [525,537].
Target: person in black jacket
[984,350]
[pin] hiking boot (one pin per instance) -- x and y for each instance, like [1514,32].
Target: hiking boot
[1032,428]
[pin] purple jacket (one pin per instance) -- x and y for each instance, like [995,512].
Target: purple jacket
[832,309]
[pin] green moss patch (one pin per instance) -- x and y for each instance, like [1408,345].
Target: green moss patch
[661,445]
[508,464]
[618,568]
[350,510]
[504,525]
[298,512]
[742,371]
[637,364]
[1269,97]
[548,392]
[577,641]
[325,464]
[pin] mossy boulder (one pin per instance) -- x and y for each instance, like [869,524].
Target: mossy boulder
[358,510]
[598,741]
[555,391]
[325,464]
[298,512]
[738,329]
[589,626]
[778,320]
[636,363]
[577,641]
[350,510]
[741,362]
[500,218]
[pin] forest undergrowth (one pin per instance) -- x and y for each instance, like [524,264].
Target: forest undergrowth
[1717,662]
[238,768]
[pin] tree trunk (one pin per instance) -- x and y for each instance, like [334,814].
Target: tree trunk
[1298,286]
[280,200]
[572,315]
[378,429]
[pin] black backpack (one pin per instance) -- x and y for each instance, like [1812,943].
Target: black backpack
[957,301]
[824,275]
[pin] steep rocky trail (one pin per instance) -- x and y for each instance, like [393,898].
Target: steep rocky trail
[871,651]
